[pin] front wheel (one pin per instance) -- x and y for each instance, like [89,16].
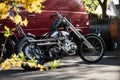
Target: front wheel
[89,55]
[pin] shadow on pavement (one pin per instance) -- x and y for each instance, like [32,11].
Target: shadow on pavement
[5,72]
[111,58]
[72,69]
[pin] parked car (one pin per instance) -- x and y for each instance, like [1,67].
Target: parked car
[109,30]
[40,23]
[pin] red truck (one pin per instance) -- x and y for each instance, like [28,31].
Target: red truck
[40,23]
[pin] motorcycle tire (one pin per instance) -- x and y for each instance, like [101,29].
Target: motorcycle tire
[87,55]
[30,50]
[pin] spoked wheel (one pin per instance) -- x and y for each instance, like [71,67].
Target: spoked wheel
[89,55]
[30,50]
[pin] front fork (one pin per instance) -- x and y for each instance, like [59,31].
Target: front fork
[80,36]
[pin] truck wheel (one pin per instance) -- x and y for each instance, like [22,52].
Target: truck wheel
[113,45]
[9,48]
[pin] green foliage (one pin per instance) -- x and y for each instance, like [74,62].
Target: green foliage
[20,57]
[7,32]
[91,5]
[33,60]
[54,65]
[32,6]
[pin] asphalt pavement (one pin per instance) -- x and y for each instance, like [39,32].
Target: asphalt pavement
[72,68]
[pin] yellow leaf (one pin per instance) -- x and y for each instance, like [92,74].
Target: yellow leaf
[5,66]
[2,5]
[41,69]
[18,64]
[31,64]
[6,28]
[3,16]
[13,29]
[40,66]
[42,1]
[14,56]
[3,45]
[12,62]
[25,22]
[11,18]
[17,19]
[30,9]
[6,35]
[23,1]
[16,9]
[4,10]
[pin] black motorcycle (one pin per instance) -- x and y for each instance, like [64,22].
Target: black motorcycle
[58,43]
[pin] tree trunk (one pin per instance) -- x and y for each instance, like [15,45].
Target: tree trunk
[104,8]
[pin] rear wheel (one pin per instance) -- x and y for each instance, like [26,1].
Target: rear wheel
[30,50]
[89,55]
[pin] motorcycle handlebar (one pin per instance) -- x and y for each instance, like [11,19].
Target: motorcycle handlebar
[56,14]
[53,16]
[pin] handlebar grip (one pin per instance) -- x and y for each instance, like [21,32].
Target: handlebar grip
[53,16]
[56,14]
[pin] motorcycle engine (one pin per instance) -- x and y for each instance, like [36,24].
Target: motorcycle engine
[58,34]
[67,43]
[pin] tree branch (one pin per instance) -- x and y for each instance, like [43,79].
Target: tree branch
[100,2]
